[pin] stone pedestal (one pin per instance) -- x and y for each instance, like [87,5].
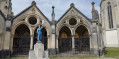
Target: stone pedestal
[38,52]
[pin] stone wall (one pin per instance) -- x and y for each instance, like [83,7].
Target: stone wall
[110,35]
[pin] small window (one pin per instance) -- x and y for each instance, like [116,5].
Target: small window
[32,20]
[72,21]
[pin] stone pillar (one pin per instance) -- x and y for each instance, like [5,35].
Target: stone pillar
[53,41]
[48,41]
[95,21]
[100,41]
[95,49]
[11,44]
[51,44]
[57,48]
[73,45]
[31,43]
[6,50]
[118,33]
[52,49]
[1,41]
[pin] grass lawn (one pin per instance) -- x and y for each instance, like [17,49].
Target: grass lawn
[59,57]
[25,57]
[72,56]
[112,52]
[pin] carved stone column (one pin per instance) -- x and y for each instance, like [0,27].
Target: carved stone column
[95,49]
[57,48]
[49,41]
[31,43]
[73,45]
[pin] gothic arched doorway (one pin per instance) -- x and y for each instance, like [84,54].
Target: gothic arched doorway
[44,37]
[82,44]
[64,40]
[21,40]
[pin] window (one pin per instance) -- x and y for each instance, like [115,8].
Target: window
[110,16]
[72,21]
[32,20]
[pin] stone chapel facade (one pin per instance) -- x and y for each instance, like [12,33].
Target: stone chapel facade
[73,33]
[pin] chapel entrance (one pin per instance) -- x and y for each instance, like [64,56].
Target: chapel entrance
[82,44]
[21,40]
[65,41]
[44,37]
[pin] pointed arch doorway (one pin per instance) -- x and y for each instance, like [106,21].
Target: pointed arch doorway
[82,41]
[65,41]
[21,40]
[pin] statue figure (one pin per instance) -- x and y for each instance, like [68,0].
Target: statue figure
[39,36]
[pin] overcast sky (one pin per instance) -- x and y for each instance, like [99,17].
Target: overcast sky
[61,6]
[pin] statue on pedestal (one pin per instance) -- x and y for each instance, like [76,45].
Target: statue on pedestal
[39,52]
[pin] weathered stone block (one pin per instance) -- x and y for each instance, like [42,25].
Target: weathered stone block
[38,52]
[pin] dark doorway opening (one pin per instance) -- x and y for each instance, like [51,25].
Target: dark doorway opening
[65,41]
[82,42]
[21,41]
